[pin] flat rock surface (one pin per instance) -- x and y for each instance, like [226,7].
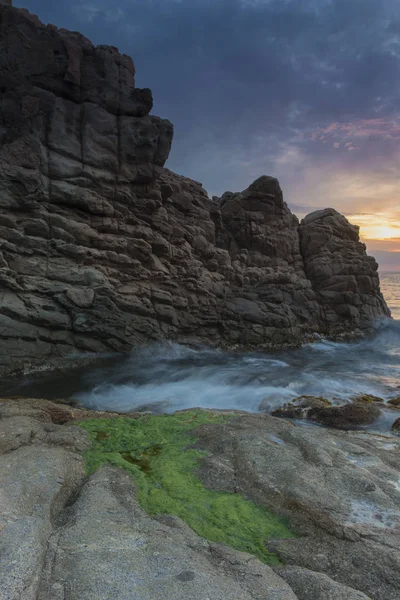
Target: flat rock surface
[66,535]
[340,489]
[109,548]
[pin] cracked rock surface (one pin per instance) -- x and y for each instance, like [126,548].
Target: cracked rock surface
[340,490]
[67,535]
[64,535]
[102,249]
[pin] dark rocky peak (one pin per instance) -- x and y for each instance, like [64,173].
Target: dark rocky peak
[327,223]
[67,64]
[258,219]
[266,188]
[263,195]
[345,278]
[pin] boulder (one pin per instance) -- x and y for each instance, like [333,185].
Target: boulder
[300,407]
[343,277]
[394,402]
[367,398]
[347,416]
[396,426]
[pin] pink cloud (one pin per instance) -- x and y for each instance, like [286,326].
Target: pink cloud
[386,129]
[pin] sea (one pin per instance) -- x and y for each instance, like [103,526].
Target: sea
[168,377]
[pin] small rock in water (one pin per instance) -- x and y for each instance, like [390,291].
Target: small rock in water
[300,407]
[394,402]
[396,425]
[347,416]
[367,398]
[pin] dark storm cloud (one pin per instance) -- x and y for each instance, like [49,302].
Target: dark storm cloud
[248,83]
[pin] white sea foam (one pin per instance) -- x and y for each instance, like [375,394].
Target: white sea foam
[170,377]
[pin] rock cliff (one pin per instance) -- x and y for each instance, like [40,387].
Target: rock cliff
[101,248]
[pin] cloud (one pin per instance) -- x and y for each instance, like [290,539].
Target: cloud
[89,12]
[349,136]
[95,11]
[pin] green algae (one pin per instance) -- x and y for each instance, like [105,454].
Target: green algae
[156,451]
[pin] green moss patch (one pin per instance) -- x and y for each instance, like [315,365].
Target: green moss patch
[154,449]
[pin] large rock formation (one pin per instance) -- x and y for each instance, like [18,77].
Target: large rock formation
[101,248]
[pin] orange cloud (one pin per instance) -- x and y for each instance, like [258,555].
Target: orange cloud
[377,226]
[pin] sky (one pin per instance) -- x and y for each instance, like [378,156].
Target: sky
[305,90]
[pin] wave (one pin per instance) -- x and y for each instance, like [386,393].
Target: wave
[165,377]
[169,377]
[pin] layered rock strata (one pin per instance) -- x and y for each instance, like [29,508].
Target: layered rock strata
[101,248]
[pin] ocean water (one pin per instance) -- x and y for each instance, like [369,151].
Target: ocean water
[169,377]
[390,287]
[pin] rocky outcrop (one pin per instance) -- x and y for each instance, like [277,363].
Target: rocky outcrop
[101,248]
[66,534]
[343,277]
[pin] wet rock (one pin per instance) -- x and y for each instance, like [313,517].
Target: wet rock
[396,426]
[57,412]
[347,416]
[394,402]
[367,398]
[43,410]
[300,407]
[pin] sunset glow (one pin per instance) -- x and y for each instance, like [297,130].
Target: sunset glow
[376,231]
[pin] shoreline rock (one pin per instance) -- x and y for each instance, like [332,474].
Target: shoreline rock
[338,489]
